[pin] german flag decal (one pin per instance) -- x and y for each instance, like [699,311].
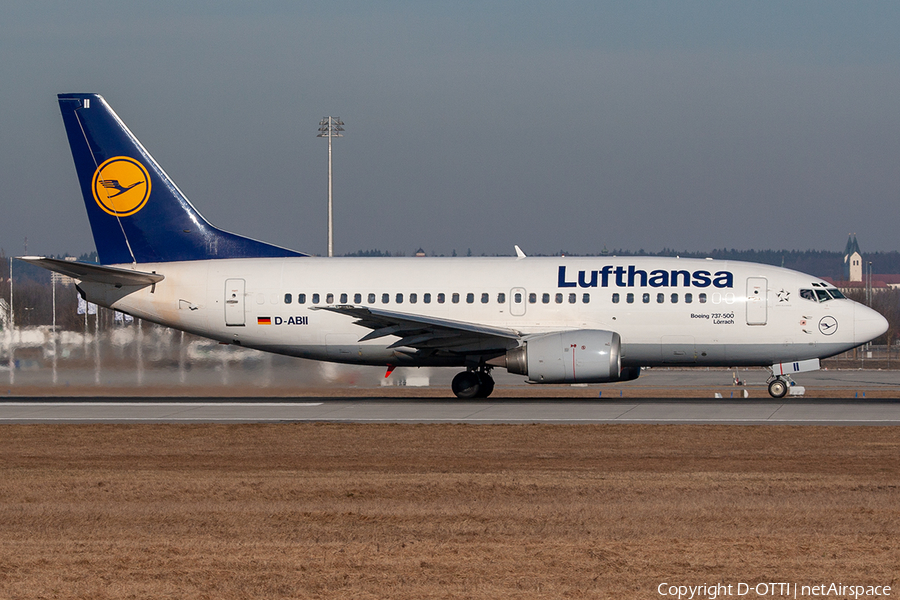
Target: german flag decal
[263,320]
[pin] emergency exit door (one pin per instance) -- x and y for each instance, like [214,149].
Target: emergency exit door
[234,302]
[757,303]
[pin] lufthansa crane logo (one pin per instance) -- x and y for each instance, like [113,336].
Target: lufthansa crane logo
[828,325]
[121,186]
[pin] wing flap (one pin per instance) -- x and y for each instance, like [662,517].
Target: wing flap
[429,333]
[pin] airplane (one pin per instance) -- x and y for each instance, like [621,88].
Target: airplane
[554,320]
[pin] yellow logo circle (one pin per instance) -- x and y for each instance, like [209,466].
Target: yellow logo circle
[121,186]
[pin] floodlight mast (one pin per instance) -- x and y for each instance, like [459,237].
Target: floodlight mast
[330,127]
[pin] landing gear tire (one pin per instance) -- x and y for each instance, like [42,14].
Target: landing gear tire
[778,388]
[466,385]
[472,384]
[485,385]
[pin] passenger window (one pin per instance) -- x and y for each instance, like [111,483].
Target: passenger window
[688,298]
[571,298]
[674,298]
[545,298]
[702,298]
[371,298]
[441,298]
[385,298]
[301,298]
[287,298]
[485,297]
[399,298]
[646,298]
[426,298]
[357,298]
[660,298]
[559,298]
[615,298]
[315,298]
[501,298]
[518,298]
[532,298]
[455,298]
[329,299]
[629,298]
[586,298]
[343,298]
[470,298]
[413,298]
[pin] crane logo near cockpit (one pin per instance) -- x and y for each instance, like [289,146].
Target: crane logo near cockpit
[828,325]
[121,186]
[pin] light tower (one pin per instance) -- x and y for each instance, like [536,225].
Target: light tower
[330,127]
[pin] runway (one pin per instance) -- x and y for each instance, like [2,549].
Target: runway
[428,410]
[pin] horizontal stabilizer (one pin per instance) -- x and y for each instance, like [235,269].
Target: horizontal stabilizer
[96,273]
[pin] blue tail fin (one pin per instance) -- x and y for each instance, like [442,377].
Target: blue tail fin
[137,213]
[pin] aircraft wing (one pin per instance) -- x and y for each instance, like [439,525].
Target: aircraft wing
[429,333]
[96,273]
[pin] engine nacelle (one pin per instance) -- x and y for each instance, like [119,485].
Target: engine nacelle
[581,356]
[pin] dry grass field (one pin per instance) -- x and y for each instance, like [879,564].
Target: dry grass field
[440,511]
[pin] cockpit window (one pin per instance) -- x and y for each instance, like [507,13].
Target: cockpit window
[821,294]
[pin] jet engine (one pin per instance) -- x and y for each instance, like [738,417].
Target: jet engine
[580,356]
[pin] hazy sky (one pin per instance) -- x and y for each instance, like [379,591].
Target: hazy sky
[556,126]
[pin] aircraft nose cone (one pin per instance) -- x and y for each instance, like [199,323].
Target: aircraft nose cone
[869,324]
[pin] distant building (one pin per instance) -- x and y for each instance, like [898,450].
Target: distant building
[420,252]
[854,278]
[63,279]
[853,260]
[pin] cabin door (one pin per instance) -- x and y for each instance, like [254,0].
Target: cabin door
[756,300]
[234,302]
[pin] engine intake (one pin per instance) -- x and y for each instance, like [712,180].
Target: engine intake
[580,356]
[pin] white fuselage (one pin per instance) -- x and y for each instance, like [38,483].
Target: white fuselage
[667,311]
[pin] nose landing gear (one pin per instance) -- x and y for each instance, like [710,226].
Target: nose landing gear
[778,386]
[473,384]
[780,379]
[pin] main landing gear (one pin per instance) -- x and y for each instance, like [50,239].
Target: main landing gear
[473,384]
